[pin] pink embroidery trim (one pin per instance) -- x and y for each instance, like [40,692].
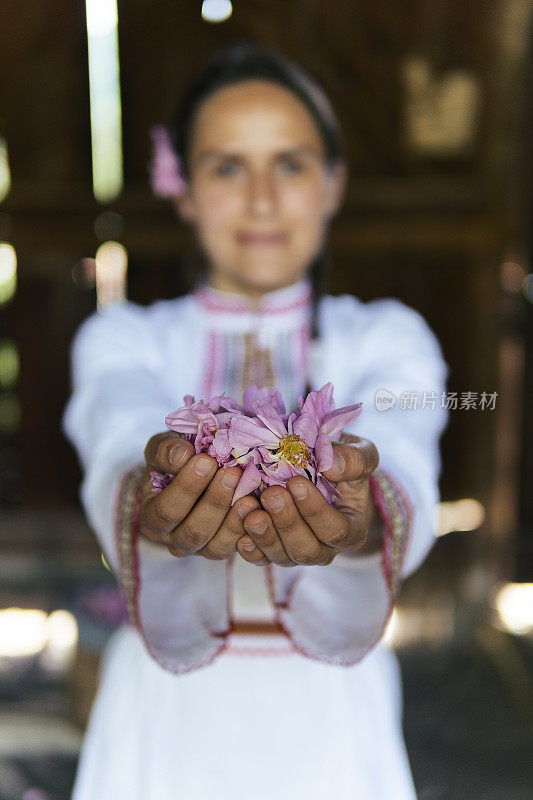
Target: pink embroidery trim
[212,301]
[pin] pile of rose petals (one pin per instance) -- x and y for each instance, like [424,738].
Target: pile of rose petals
[261,437]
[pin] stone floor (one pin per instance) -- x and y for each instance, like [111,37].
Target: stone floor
[468,719]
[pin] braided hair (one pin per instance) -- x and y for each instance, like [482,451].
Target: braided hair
[247,61]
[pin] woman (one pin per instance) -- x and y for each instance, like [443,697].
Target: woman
[256,666]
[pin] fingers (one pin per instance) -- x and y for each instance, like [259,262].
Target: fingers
[342,528]
[355,458]
[193,515]
[269,547]
[193,534]
[167,452]
[161,513]
[254,556]
[207,515]
[224,543]
[298,539]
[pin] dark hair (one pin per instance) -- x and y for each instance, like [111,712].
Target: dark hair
[246,61]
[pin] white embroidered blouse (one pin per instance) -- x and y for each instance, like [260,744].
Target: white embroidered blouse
[132,365]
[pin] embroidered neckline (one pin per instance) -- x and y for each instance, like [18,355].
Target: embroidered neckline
[279,301]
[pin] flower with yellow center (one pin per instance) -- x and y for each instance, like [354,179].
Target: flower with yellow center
[294,450]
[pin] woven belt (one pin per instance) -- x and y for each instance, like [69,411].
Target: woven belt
[255,628]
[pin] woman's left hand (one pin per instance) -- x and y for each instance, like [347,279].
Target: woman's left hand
[299,526]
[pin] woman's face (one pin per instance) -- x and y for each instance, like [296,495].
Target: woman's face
[260,194]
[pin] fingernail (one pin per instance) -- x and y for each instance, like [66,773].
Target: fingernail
[249,546]
[203,466]
[230,480]
[339,462]
[298,490]
[259,528]
[275,503]
[177,455]
[243,510]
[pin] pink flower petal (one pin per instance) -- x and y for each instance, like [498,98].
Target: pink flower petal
[266,394]
[274,397]
[328,489]
[335,422]
[247,432]
[160,481]
[268,480]
[324,400]
[249,481]
[319,403]
[182,421]
[244,456]
[250,395]
[224,418]
[250,434]
[306,427]
[271,418]
[267,457]
[225,402]
[203,413]
[282,470]
[221,443]
[324,452]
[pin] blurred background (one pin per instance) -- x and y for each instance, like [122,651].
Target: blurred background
[435,100]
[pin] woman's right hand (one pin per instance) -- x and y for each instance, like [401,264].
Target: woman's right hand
[193,515]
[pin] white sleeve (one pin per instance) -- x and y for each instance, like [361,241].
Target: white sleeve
[337,613]
[179,606]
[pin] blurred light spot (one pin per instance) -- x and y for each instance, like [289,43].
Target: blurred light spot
[108,225]
[528,287]
[106,565]
[10,414]
[8,272]
[460,515]
[441,109]
[514,604]
[62,640]
[9,364]
[392,630]
[28,632]
[102,17]
[23,632]
[216,10]
[104,91]
[62,629]
[432,624]
[512,276]
[111,268]
[84,273]
[5,173]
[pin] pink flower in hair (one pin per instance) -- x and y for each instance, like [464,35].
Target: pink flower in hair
[165,167]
